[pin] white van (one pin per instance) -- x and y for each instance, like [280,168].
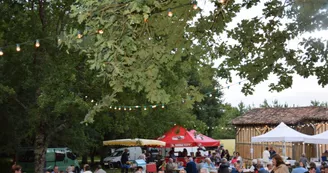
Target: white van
[114,160]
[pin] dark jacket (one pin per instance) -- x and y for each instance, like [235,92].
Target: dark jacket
[224,168]
[124,158]
[191,167]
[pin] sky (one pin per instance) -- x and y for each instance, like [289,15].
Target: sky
[300,94]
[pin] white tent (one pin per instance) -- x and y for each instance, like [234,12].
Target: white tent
[282,133]
[321,138]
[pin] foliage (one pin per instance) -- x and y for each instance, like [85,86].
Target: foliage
[275,104]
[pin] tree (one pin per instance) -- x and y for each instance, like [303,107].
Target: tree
[318,103]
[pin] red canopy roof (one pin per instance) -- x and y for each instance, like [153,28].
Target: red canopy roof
[179,137]
[203,140]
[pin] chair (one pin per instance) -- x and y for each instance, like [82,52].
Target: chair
[151,167]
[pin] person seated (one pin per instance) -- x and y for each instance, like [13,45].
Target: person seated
[261,169]
[224,166]
[298,168]
[139,169]
[236,169]
[171,166]
[208,164]
[312,164]
[269,167]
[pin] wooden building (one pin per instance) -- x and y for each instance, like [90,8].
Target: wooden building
[308,120]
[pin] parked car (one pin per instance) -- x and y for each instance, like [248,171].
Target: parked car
[61,157]
[114,160]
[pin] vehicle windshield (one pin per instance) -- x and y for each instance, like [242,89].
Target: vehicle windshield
[117,153]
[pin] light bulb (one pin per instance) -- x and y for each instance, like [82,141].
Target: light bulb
[169,13]
[145,108]
[195,6]
[110,107]
[154,106]
[37,43]
[1,53]
[119,108]
[130,109]
[163,106]
[100,31]
[115,108]
[125,108]
[79,35]
[221,1]
[18,48]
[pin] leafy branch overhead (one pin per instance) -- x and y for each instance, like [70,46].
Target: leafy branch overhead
[143,49]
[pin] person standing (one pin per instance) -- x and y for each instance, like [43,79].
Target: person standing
[304,160]
[266,155]
[124,160]
[272,152]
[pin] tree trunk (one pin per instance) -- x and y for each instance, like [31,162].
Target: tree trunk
[40,149]
[84,158]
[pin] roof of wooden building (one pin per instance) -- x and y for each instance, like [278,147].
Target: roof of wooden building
[273,116]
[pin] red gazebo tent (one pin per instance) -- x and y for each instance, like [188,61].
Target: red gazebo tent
[179,137]
[203,140]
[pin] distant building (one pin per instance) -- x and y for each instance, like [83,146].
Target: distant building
[308,120]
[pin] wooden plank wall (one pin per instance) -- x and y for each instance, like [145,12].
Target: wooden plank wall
[321,127]
[293,150]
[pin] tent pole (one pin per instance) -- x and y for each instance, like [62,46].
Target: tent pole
[285,149]
[317,147]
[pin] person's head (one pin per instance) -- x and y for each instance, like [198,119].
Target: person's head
[312,170]
[266,148]
[269,166]
[227,151]
[172,148]
[326,169]
[237,166]
[237,154]
[139,168]
[312,164]
[277,160]
[302,164]
[297,164]
[186,159]
[170,160]
[69,169]
[56,169]
[259,162]
[271,148]
[259,166]
[208,160]
[17,169]
[98,167]
[61,171]
[47,171]
[174,160]
[224,160]
[86,167]
[303,155]
[126,150]
[254,161]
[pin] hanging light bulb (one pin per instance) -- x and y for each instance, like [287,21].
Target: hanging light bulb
[130,109]
[110,107]
[119,108]
[1,53]
[125,108]
[153,106]
[100,31]
[37,43]
[163,106]
[195,5]
[79,35]
[221,1]
[115,108]
[18,48]
[169,13]
[145,108]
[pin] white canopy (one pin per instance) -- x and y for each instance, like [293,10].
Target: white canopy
[321,138]
[135,142]
[282,133]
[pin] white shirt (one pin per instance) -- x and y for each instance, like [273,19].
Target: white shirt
[266,156]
